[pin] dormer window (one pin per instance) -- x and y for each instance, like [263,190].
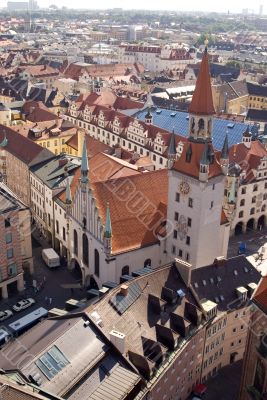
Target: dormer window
[255,188]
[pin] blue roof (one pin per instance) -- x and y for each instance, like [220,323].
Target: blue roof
[179,122]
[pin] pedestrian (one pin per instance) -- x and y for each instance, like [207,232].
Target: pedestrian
[50,300]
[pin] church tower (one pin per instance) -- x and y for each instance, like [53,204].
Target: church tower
[196,186]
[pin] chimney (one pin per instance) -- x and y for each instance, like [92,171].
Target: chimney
[62,162]
[124,290]
[219,261]
[118,340]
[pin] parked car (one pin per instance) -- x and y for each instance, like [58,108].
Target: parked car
[22,304]
[5,314]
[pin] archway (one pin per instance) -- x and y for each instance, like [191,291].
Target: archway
[239,228]
[250,224]
[75,242]
[76,270]
[125,270]
[147,262]
[93,283]
[261,223]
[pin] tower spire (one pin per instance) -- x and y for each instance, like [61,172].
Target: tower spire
[84,165]
[202,98]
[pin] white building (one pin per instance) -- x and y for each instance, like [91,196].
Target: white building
[122,219]
[155,58]
[245,198]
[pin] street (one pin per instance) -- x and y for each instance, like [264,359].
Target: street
[53,286]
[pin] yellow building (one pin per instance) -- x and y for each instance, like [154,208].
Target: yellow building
[57,136]
[231,97]
[257,96]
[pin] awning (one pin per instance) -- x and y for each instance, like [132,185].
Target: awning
[200,389]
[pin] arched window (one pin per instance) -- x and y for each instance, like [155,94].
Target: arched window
[263,208]
[85,249]
[201,124]
[147,263]
[84,223]
[75,242]
[125,270]
[96,262]
[252,211]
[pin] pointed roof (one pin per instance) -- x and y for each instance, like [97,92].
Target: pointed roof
[202,102]
[68,192]
[84,165]
[172,146]
[225,149]
[108,230]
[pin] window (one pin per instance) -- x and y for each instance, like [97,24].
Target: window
[176,216]
[188,240]
[255,188]
[9,253]
[252,211]
[253,200]
[211,204]
[187,257]
[213,186]
[189,222]
[241,214]
[243,190]
[57,227]
[75,242]
[190,202]
[7,223]
[180,253]
[173,250]
[96,262]
[125,270]
[85,249]
[177,197]
[242,202]
[175,234]
[12,270]
[8,237]
[64,233]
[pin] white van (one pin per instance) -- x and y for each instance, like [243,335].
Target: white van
[51,258]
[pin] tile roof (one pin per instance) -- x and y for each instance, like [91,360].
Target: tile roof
[168,119]
[202,102]
[23,148]
[222,279]
[133,230]
[140,319]
[257,115]
[256,89]
[248,159]
[192,168]
[260,297]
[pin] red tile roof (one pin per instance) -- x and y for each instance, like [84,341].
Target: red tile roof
[202,102]
[192,168]
[260,297]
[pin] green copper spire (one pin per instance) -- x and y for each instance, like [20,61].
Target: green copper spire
[108,230]
[84,165]
[225,149]
[68,192]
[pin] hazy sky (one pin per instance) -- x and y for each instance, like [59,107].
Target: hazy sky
[189,5]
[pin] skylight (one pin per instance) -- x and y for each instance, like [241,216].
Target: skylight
[52,362]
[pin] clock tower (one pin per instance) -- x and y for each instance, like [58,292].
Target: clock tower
[200,231]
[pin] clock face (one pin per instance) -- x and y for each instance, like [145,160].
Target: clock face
[184,187]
